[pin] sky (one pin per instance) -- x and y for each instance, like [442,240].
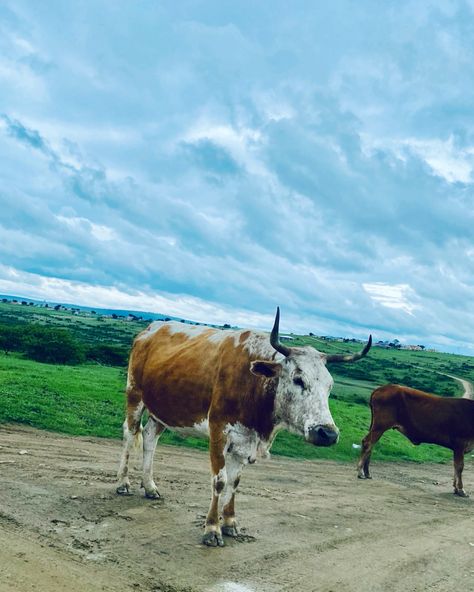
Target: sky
[214,159]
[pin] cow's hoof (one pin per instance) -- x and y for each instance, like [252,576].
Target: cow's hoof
[152,494]
[212,539]
[461,493]
[230,530]
[123,490]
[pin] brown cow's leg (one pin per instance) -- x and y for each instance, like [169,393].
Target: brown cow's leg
[131,433]
[367,443]
[233,465]
[151,433]
[458,468]
[217,440]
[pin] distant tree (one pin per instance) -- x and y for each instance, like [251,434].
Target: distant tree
[109,355]
[4,299]
[226,326]
[51,345]
[24,303]
[311,334]
[114,316]
[167,319]
[57,307]
[10,338]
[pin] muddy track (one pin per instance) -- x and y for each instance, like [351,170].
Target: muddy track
[307,525]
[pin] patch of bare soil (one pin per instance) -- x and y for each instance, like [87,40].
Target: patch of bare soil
[307,525]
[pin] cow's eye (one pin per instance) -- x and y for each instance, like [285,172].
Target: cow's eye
[299,382]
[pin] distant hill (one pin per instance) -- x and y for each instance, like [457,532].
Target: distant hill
[102,311]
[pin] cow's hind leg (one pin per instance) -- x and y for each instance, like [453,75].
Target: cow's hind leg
[212,531]
[151,433]
[233,465]
[458,468]
[131,434]
[367,444]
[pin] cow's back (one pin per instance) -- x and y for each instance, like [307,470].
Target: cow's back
[176,368]
[424,417]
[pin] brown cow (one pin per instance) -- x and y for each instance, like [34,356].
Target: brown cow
[422,418]
[237,387]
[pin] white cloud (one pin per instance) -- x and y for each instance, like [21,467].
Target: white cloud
[242,143]
[392,296]
[15,282]
[445,159]
[98,231]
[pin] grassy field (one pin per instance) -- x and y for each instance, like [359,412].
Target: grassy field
[88,399]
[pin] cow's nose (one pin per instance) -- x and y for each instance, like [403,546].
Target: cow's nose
[322,435]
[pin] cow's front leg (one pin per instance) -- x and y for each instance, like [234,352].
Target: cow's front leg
[458,468]
[217,440]
[233,465]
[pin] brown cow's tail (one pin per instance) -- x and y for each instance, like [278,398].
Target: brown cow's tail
[372,404]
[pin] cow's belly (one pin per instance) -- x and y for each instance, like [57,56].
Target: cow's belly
[241,442]
[195,429]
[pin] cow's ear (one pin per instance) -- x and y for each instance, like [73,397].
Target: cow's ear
[265,368]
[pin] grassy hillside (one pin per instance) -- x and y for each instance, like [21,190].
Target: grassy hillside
[88,399]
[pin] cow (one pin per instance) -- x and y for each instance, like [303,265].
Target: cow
[238,387]
[422,418]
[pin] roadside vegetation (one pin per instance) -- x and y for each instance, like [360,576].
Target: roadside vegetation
[66,371]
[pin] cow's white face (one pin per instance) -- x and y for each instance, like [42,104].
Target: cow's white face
[301,402]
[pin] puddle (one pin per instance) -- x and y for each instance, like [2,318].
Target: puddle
[230,587]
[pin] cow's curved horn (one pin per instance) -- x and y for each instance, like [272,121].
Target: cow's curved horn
[274,338]
[350,357]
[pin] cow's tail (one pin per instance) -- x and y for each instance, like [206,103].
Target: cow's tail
[138,440]
[371,405]
[379,399]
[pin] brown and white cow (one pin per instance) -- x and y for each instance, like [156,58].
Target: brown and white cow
[422,418]
[238,387]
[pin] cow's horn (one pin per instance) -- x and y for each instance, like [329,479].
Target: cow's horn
[274,338]
[350,357]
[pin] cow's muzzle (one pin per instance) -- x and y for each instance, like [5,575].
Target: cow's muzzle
[323,435]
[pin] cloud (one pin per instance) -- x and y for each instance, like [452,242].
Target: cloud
[220,161]
[397,296]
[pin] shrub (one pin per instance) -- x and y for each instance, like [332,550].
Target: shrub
[51,345]
[109,355]
[11,338]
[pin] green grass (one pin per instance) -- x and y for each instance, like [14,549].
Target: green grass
[89,400]
[80,400]
[418,369]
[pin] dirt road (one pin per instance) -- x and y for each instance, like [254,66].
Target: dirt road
[467,386]
[308,525]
